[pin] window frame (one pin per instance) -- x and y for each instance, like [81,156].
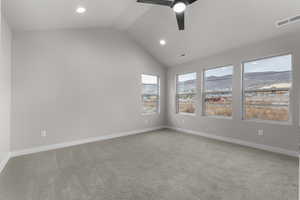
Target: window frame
[158,95]
[291,91]
[196,94]
[203,93]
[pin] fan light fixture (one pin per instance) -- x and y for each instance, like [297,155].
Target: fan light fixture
[179,7]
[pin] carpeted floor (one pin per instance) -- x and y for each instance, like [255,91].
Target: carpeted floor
[160,165]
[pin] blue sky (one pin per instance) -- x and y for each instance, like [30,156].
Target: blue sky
[276,64]
[148,79]
[186,77]
[220,71]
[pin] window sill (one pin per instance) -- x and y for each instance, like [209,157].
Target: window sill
[147,114]
[187,114]
[286,123]
[217,117]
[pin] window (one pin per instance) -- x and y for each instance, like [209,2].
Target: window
[150,94]
[217,92]
[186,93]
[266,86]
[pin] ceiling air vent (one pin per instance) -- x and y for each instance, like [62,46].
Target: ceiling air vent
[288,21]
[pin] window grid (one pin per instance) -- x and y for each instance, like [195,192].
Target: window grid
[283,114]
[220,101]
[186,101]
[150,100]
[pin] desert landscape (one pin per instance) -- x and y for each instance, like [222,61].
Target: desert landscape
[266,96]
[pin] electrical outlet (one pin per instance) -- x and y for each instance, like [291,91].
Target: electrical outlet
[260,132]
[182,120]
[43,133]
[146,121]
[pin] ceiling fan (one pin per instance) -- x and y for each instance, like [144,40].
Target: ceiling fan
[178,7]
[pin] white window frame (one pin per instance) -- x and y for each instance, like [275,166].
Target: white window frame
[203,93]
[176,99]
[158,95]
[291,90]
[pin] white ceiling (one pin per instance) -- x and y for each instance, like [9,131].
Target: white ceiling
[57,14]
[212,26]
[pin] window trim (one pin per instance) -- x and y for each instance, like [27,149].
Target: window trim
[196,95]
[291,91]
[159,94]
[203,92]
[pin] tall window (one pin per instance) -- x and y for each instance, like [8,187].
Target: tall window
[217,92]
[186,93]
[267,84]
[150,94]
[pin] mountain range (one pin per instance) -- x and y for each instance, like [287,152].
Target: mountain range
[253,80]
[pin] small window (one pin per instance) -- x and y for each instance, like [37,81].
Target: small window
[150,94]
[266,85]
[186,93]
[217,92]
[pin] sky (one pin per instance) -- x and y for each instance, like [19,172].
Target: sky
[220,71]
[276,64]
[148,79]
[186,77]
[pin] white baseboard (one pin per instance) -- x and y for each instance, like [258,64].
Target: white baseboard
[239,142]
[116,135]
[4,161]
[78,142]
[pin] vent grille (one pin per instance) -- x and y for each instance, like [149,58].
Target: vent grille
[288,21]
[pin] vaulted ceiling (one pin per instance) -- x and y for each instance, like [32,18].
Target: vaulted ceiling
[212,26]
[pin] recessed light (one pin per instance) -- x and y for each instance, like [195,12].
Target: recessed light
[81,10]
[162,42]
[179,7]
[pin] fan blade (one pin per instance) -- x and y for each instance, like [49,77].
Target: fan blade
[191,1]
[180,20]
[158,2]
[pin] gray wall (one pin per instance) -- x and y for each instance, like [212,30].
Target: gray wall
[276,135]
[78,84]
[86,83]
[5,87]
